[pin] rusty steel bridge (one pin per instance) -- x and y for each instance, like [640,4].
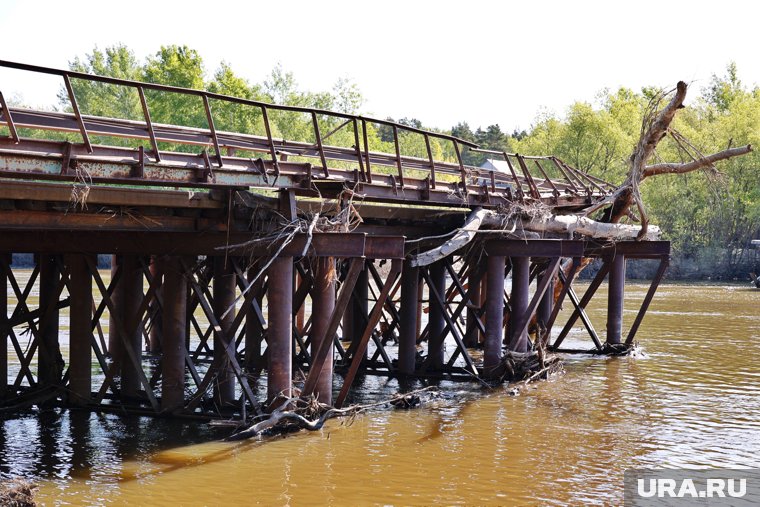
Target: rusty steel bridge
[223,297]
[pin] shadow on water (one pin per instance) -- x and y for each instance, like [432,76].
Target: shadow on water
[60,444]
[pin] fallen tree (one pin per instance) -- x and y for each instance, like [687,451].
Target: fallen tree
[616,207]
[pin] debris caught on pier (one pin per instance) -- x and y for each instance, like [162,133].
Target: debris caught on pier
[17,493]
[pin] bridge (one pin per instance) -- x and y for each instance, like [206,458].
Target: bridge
[244,265]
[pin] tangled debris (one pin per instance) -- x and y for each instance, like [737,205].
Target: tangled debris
[307,413]
[17,493]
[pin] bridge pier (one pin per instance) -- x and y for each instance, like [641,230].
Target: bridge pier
[254,332]
[224,298]
[173,350]
[518,337]
[615,297]
[357,314]
[154,309]
[130,289]
[436,321]
[323,306]
[50,363]
[408,329]
[544,312]
[494,314]
[80,328]
[280,335]
[5,260]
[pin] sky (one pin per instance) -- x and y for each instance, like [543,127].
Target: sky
[442,62]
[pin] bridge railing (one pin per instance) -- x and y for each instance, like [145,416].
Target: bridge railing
[531,177]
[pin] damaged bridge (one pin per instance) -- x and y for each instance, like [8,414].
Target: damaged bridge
[247,268]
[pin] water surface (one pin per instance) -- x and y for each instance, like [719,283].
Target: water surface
[691,400]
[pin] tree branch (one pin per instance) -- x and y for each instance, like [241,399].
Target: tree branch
[666,168]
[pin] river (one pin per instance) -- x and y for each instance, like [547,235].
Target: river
[689,399]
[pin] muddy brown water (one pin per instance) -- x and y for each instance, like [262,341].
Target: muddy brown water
[691,400]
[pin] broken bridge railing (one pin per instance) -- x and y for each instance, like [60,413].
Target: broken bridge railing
[378,175]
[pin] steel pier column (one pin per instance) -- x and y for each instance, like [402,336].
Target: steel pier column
[80,329]
[544,311]
[280,335]
[322,309]
[224,298]
[407,340]
[520,300]
[356,315]
[174,333]
[436,321]
[156,324]
[472,334]
[4,325]
[494,314]
[615,298]
[130,300]
[253,330]
[50,361]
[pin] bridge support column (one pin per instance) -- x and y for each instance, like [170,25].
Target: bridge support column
[156,323]
[254,333]
[518,340]
[615,298]
[472,333]
[173,327]
[323,306]
[50,362]
[356,315]
[114,342]
[494,314]
[224,298]
[544,310]
[4,330]
[301,313]
[436,322]
[80,329]
[130,299]
[407,340]
[280,332]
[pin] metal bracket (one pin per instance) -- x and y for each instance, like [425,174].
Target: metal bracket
[425,191]
[66,162]
[138,169]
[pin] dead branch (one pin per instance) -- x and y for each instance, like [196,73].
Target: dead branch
[309,408]
[667,168]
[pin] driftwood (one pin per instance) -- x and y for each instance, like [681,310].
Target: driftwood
[17,493]
[303,413]
[463,236]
